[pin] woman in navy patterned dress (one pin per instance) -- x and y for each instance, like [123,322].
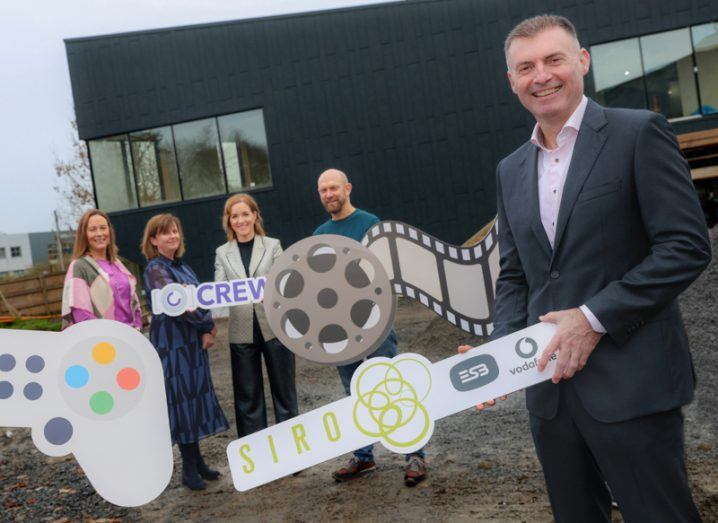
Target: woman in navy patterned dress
[182,344]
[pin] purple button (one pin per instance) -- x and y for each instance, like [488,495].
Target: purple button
[58,431]
[6,390]
[7,362]
[35,364]
[32,391]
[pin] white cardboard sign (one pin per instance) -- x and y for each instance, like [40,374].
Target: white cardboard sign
[393,401]
[95,390]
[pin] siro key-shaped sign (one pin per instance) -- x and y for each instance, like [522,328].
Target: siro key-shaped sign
[393,401]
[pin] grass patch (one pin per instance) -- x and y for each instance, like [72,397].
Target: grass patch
[33,325]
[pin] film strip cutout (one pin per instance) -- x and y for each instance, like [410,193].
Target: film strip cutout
[458,283]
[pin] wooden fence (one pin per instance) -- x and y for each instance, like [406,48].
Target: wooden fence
[32,295]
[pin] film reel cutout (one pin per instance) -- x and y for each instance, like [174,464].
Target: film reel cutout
[329,300]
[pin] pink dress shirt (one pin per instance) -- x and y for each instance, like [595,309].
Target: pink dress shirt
[552,170]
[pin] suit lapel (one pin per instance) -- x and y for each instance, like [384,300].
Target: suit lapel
[235,260]
[257,255]
[589,143]
[530,183]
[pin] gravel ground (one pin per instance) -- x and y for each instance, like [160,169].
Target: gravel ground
[482,465]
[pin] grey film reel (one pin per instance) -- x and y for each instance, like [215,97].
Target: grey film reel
[457,283]
[329,300]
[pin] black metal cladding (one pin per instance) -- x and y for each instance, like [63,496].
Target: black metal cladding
[410,99]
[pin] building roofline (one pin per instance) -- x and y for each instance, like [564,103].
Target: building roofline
[284,16]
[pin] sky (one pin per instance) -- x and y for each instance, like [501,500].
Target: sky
[36,108]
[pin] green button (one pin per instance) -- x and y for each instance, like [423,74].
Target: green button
[101,402]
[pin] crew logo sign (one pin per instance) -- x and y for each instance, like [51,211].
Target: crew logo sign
[393,401]
[175,299]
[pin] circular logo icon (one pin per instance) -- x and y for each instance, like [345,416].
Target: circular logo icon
[390,398]
[174,299]
[526,348]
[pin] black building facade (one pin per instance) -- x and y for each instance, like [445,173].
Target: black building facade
[409,98]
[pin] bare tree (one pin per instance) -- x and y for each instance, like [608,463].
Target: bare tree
[73,183]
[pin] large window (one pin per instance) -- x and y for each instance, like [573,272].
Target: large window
[114,174]
[674,72]
[155,164]
[670,79]
[199,158]
[244,144]
[705,43]
[181,162]
[618,74]
[15,252]
[3,253]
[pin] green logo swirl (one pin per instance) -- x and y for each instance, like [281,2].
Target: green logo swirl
[388,406]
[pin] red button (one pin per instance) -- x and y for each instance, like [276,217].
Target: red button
[128,379]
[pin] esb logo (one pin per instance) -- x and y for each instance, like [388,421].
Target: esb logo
[474,372]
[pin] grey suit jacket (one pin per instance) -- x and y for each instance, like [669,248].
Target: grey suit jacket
[228,266]
[630,238]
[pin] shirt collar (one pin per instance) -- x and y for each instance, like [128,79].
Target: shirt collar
[573,122]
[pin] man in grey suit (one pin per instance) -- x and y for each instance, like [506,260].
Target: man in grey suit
[600,230]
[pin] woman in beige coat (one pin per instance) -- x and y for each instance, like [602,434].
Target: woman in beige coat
[250,253]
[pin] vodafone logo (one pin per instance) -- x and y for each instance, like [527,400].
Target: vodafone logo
[526,348]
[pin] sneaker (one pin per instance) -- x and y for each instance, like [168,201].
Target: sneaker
[353,470]
[415,471]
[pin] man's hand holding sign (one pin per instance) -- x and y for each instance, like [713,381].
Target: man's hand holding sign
[574,341]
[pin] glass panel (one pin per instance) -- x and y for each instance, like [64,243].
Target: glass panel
[114,176]
[200,163]
[618,74]
[2,253]
[244,144]
[670,80]
[705,43]
[155,165]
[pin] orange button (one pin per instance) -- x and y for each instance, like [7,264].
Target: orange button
[104,353]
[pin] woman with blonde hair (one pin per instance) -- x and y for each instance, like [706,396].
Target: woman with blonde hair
[97,284]
[182,344]
[249,253]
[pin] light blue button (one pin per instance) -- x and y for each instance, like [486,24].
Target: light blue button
[77,376]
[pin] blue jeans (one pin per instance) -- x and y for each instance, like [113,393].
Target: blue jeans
[387,349]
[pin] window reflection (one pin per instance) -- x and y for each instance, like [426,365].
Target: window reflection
[670,80]
[705,43]
[198,156]
[155,166]
[114,175]
[183,161]
[244,145]
[618,74]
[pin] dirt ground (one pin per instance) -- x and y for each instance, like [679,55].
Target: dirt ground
[482,465]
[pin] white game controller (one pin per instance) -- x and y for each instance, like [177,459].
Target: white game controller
[95,390]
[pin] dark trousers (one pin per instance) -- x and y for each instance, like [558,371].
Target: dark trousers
[249,405]
[641,459]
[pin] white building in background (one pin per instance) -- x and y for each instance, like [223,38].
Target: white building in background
[15,253]
[19,252]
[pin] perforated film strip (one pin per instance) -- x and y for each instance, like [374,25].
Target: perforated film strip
[457,283]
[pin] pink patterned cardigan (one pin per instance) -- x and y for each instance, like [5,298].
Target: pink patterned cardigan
[87,288]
